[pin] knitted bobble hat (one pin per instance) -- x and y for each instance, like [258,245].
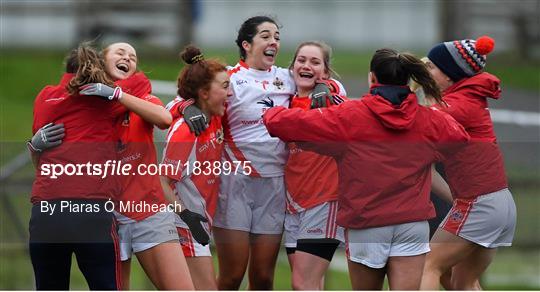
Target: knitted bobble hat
[462,58]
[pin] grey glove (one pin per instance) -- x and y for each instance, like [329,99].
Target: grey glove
[48,136]
[102,90]
[195,119]
[319,95]
[194,222]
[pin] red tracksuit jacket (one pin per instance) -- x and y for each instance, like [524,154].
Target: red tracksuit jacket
[383,151]
[478,169]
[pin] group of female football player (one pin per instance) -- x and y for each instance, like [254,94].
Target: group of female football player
[304,163]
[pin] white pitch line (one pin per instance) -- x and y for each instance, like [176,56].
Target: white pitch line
[160,87]
[499,116]
[520,118]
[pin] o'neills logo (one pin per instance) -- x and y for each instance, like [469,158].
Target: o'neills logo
[315,231]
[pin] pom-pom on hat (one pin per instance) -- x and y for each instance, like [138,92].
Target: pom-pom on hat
[462,58]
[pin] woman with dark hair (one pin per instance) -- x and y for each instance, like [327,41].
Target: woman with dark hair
[251,206]
[384,145]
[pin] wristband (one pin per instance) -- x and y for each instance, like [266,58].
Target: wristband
[117,94]
[32,148]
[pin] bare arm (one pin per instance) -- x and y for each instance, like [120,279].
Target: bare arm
[150,112]
[439,186]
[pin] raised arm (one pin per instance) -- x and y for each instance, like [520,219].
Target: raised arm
[148,108]
[297,125]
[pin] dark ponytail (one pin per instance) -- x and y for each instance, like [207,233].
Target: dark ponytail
[89,67]
[197,74]
[393,68]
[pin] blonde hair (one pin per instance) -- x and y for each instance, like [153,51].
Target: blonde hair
[91,68]
[423,98]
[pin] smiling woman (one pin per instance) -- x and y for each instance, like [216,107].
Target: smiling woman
[121,60]
[151,235]
[251,232]
[196,186]
[311,178]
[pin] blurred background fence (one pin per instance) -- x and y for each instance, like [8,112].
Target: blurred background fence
[35,35]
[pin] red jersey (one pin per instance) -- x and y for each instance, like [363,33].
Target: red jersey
[383,152]
[136,147]
[478,169]
[311,178]
[90,137]
[197,161]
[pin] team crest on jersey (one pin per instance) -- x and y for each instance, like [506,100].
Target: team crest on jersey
[278,83]
[456,215]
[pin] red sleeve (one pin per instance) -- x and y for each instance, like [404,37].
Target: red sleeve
[458,109]
[137,84]
[325,125]
[35,127]
[117,109]
[336,93]
[180,143]
[153,99]
[177,106]
[36,122]
[333,86]
[451,135]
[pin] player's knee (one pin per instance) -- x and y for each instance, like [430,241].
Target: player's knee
[300,282]
[261,281]
[431,265]
[461,283]
[230,281]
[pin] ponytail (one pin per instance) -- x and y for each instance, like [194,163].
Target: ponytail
[393,68]
[198,72]
[420,74]
[90,68]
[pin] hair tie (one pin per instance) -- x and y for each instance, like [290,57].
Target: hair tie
[197,58]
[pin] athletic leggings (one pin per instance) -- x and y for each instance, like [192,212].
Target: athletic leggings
[89,234]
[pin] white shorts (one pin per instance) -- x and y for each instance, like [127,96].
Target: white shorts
[373,246]
[313,223]
[140,236]
[489,220]
[190,247]
[251,204]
